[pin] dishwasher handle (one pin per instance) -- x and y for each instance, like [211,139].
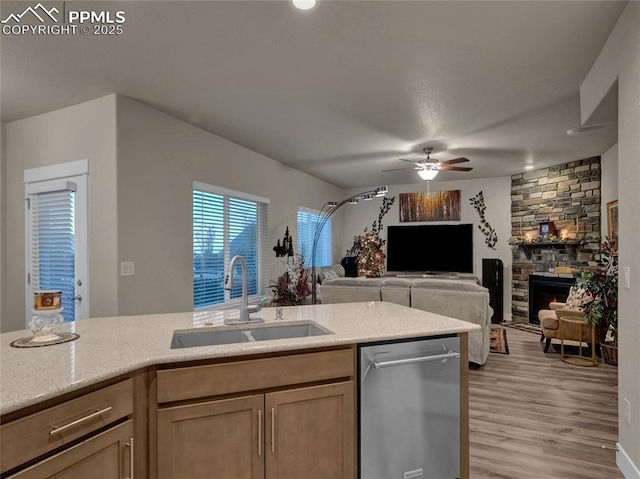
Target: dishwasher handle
[422,359]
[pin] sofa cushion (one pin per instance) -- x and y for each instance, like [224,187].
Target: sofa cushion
[326,275]
[396,282]
[448,284]
[350,290]
[357,282]
[396,290]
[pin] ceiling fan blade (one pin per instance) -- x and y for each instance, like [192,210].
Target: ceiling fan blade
[462,159]
[415,162]
[454,168]
[400,169]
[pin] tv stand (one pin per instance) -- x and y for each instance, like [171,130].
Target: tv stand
[427,274]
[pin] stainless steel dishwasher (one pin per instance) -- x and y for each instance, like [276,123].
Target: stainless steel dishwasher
[409,409]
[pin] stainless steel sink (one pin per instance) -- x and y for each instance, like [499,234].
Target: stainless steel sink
[190,338]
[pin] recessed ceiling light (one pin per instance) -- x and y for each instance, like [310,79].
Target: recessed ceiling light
[529,167]
[303,4]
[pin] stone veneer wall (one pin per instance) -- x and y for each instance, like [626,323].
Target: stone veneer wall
[568,195]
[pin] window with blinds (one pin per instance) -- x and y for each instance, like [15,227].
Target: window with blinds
[52,245]
[225,224]
[307,224]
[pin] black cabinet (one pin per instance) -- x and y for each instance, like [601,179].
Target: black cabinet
[493,281]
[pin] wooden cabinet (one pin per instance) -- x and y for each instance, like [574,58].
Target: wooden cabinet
[312,433]
[71,439]
[107,455]
[287,431]
[213,439]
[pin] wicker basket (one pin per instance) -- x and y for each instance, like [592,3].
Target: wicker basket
[610,353]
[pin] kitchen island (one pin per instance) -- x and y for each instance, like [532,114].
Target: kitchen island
[132,355]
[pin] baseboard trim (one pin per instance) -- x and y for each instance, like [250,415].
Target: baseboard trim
[626,465]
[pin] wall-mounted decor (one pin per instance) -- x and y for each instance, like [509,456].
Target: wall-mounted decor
[286,248]
[490,235]
[612,221]
[438,206]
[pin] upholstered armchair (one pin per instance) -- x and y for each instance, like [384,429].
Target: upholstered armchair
[550,324]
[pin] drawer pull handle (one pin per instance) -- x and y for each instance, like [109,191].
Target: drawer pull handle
[131,461]
[259,432]
[58,430]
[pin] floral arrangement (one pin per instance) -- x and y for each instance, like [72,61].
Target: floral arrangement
[371,258]
[368,246]
[292,288]
[601,292]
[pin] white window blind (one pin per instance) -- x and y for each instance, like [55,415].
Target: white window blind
[307,224]
[52,244]
[226,224]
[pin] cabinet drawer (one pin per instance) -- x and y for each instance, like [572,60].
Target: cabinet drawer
[106,455]
[31,436]
[253,374]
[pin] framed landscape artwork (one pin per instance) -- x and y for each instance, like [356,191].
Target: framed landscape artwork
[612,220]
[437,206]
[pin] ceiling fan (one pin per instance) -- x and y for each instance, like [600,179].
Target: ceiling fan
[428,169]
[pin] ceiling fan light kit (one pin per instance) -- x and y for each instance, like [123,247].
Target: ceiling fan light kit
[303,4]
[427,169]
[427,174]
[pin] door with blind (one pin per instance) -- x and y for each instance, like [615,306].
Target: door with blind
[56,236]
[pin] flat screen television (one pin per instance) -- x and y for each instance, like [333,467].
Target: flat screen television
[430,248]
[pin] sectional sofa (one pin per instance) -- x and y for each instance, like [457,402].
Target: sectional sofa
[457,298]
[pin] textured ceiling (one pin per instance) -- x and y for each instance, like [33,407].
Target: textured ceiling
[342,91]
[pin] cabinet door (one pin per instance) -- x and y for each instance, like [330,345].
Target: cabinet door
[105,456]
[218,439]
[311,433]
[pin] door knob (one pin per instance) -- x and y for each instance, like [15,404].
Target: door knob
[77,297]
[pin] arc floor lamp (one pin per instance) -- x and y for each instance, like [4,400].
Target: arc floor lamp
[326,212]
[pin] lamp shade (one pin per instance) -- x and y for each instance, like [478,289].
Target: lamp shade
[427,174]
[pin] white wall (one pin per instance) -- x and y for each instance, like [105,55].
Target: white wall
[620,60]
[3,217]
[158,158]
[140,199]
[497,195]
[84,131]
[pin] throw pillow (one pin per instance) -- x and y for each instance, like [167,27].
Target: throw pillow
[576,299]
[328,275]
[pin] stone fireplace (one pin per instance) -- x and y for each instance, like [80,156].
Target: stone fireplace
[568,196]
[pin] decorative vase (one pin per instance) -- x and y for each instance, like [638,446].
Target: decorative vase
[350,264]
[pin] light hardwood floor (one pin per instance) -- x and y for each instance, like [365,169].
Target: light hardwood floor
[533,416]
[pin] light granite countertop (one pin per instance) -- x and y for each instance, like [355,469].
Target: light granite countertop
[109,347]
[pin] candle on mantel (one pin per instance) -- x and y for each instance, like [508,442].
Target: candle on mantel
[529,237]
[564,234]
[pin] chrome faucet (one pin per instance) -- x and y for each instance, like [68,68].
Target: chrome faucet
[245,309]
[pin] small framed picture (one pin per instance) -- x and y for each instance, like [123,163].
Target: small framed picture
[547,229]
[612,220]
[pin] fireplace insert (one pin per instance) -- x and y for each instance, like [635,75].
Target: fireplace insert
[545,289]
